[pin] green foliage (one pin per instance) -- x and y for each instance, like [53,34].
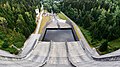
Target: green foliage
[17,22]
[114,45]
[86,33]
[1,43]
[61,16]
[5,44]
[50,5]
[20,14]
[12,37]
[100,17]
[104,46]
[56,9]
[12,50]
[47,7]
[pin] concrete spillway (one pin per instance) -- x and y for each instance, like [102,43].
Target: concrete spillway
[58,56]
[67,51]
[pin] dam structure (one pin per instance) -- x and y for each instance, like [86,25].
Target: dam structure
[61,44]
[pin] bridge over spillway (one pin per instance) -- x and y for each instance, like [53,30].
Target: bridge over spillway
[59,45]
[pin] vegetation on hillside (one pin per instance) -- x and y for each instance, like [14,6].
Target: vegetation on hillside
[17,22]
[100,18]
[51,6]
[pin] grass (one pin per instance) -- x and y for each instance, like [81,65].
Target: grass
[85,32]
[77,32]
[112,45]
[12,50]
[45,19]
[61,16]
[87,35]
[9,37]
[1,42]
[115,44]
[45,11]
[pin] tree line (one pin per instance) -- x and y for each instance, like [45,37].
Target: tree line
[100,17]
[17,22]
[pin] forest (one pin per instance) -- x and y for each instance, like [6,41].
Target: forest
[99,20]
[17,22]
